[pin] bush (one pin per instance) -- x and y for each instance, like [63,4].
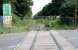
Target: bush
[1,30]
[53,23]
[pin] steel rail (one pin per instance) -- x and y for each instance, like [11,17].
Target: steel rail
[34,41]
[58,45]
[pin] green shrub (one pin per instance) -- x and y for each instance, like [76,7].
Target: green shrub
[1,29]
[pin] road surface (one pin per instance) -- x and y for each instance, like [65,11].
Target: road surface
[10,41]
[37,40]
[70,35]
[44,40]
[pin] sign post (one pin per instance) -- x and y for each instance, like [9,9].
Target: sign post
[7,18]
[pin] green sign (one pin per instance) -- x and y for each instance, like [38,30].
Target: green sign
[6,10]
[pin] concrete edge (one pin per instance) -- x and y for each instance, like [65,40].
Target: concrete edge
[18,46]
[66,45]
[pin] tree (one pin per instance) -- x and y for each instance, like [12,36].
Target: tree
[69,5]
[1,2]
[69,9]
[51,9]
[64,8]
[21,7]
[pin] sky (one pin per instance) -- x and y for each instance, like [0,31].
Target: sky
[38,5]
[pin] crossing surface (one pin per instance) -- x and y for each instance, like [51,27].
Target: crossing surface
[38,40]
[44,40]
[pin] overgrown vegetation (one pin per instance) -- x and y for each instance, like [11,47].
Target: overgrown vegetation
[66,9]
[57,24]
[21,12]
[21,15]
[19,25]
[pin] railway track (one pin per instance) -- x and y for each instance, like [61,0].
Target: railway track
[58,45]
[44,40]
[34,41]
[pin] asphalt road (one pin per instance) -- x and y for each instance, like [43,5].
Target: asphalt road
[70,35]
[10,41]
